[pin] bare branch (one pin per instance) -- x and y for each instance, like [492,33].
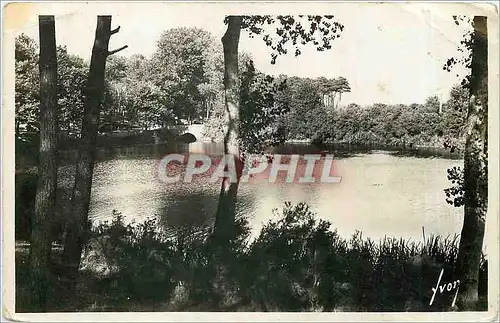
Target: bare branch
[117,50]
[114,31]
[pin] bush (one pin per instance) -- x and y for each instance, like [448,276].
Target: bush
[299,264]
[146,263]
[137,260]
[296,263]
[286,260]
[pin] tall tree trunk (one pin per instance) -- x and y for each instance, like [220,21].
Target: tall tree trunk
[475,172]
[77,228]
[45,199]
[226,208]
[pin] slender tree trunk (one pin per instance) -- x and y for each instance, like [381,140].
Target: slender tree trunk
[225,216]
[77,229]
[475,172]
[45,199]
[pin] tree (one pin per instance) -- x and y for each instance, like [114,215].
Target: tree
[225,216]
[114,106]
[432,104]
[77,228]
[261,112]
[26,84]
[147,105]
[214,126]
[45,200]
[182,80]
[72,73]
[328,91]
[307,115]
[132,97]
[341,86]
[473,192]
[71,76]
[212,89]
[322,30]
[333,88]
[188,63]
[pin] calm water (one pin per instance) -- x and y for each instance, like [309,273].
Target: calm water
[380,194]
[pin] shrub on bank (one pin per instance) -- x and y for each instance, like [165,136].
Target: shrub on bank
[296,263]
[143,262]
[136,261]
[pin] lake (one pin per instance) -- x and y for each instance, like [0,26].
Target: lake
[380,194]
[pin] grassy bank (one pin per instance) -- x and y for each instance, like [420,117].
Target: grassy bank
[297,263]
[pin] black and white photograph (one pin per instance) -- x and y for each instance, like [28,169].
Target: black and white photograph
[248,158]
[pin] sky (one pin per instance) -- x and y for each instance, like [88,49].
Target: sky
[390,53]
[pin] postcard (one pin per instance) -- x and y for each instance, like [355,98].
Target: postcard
[250,161]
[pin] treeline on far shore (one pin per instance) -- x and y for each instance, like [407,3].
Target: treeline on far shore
[433,124]
[141,94]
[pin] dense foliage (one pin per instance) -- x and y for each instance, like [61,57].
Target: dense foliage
[72,74]
[182,82]
[296,263]
[429,124]
[308,114]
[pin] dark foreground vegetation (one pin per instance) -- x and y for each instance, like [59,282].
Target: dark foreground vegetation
[296,263]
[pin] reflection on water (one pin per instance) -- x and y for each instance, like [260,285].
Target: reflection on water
[380,194]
